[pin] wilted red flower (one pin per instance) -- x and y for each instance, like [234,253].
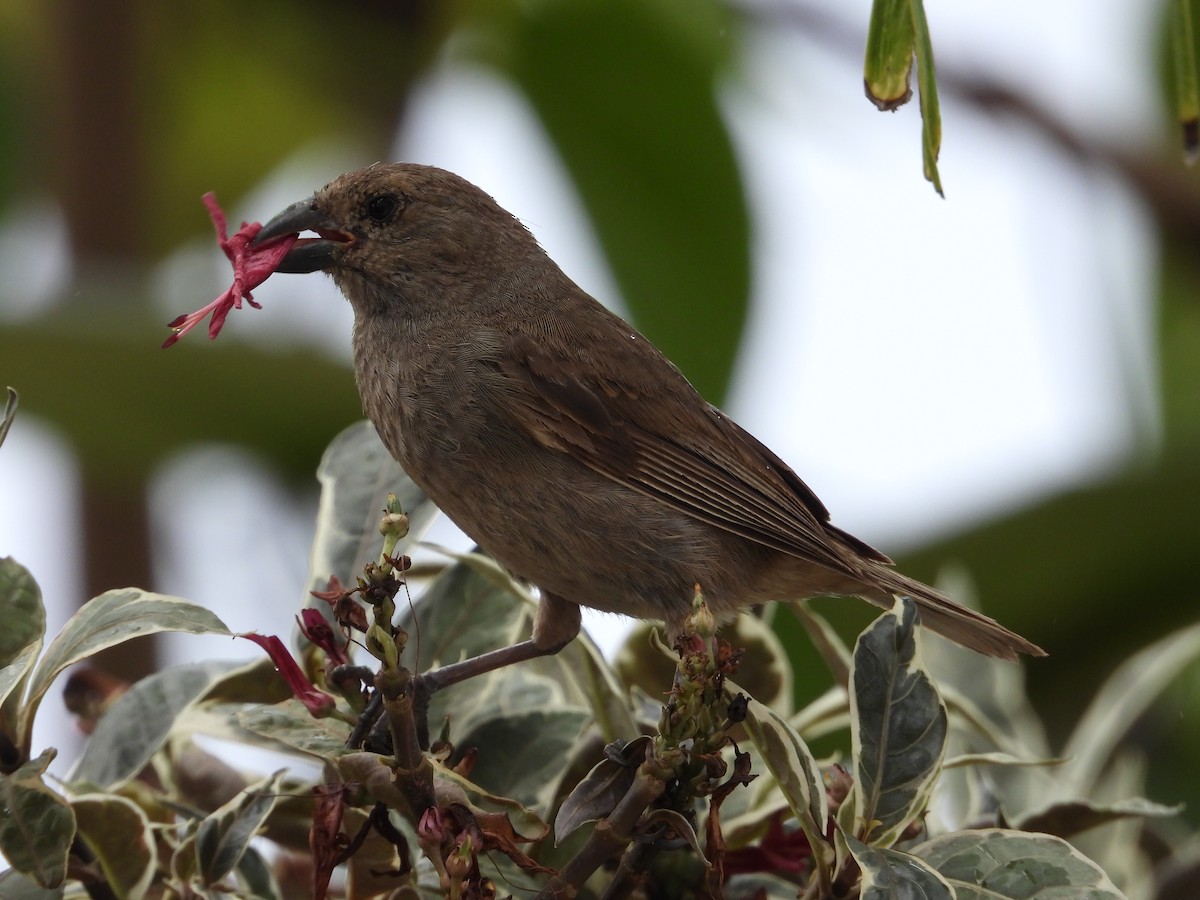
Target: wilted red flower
[314,627]
[252,265]
[318,703]
[346,610]
[778,851]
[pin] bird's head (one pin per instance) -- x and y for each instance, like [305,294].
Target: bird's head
[398,226]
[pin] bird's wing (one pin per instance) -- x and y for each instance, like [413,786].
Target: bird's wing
[662,439]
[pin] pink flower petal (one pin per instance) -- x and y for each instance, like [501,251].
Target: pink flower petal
[252,265]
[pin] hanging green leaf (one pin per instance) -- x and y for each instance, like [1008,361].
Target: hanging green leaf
[931,114]
[1187,81]
[889,57]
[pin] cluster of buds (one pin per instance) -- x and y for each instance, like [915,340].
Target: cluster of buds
[377,587]
[698,714]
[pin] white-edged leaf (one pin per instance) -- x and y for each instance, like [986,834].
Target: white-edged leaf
[133,729]
[223,837]
[110,619]
[897,727]
[826,639]
[997,759]
[791,764]
[1123,698]
[289,725]
[892,875]
[118,833]
[255,874]
[356,475]
[828,713]
[996,864]
[37,825]
[1068,818]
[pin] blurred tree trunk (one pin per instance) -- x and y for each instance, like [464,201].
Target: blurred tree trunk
[96,143]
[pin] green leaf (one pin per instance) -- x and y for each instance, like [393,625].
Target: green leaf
[223,837]
[646,145]
[892,875]
[137,725]
[897,727]
[356,475]
[118,832]
[21,610]
[10,413]
[889,55]
[1065,820]
[110,619]
[931,114]
[38,826]
[288,724]
[1187,81]
[995,864]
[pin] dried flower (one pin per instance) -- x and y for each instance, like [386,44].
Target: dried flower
[314,627]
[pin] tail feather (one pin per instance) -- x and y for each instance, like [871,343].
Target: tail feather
[952,620]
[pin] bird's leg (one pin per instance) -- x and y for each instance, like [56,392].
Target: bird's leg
[555,625]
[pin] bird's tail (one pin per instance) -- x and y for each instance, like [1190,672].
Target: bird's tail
[939,613]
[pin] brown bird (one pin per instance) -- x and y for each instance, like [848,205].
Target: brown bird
[558,437]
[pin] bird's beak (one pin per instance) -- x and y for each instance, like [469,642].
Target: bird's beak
[307,254]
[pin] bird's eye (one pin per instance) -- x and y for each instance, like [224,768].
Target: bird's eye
[382,207]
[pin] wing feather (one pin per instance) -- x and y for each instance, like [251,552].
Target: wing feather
[648,437]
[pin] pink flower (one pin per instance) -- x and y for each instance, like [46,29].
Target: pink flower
[318,703]
[252,265]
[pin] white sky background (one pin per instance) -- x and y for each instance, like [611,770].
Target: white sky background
[922,363]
